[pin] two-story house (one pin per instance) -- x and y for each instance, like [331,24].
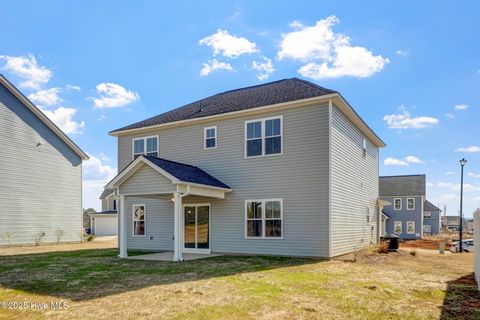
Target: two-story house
[40,175]
[283,168]
[408,215]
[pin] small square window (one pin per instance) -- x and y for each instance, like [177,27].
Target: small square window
[210,135]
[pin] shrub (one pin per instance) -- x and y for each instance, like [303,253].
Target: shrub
[59,233]
[39,237]
[90,237]
[413,252]
[8,236]
[382,247]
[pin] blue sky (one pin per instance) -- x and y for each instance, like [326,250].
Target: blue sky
[410,69]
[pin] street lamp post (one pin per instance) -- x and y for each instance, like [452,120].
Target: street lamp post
[462,163]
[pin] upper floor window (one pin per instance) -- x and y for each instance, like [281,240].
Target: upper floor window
[427,215]
[210,135]
[364,144]
[410,203]
[145,145]
[263,137]
[397,203]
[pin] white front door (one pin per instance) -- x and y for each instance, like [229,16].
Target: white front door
[196,224]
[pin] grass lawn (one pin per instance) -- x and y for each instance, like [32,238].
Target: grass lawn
[96,284]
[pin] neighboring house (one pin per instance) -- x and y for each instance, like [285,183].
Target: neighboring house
[105,222]
[284,168]
[408,215]
[40,175]
[452,223]
[432,223]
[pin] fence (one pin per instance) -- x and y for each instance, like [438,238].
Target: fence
[476,233]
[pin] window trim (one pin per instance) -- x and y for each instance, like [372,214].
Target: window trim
[205,138]
[429,226]
[401,226]
[408,208]
[406,225]
[264,212]
[394,206]
[427,215]
[364,147]
[145,145]
[263,137]
[144,220]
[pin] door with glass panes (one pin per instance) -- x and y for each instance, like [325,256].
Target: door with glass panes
[196,219]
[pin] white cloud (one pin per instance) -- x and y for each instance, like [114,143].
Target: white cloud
[394,162]
[102,117]
[214,65]
[96,175]
[27,68]
[114,96]
[461,107]
[450,115]
[473,174]
[405,120]
[476,199]
[413,159]
[449,173]
[228,45]
[470,149]
[63,118]
[47,97]
[447,196]
[73,87]
[456,186]
[328,54]
[390,161]
[401,53]
[266,68]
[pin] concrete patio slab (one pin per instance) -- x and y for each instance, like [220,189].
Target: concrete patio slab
[168,256]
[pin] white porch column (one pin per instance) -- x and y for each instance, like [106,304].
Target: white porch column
[123,229]
[177,249]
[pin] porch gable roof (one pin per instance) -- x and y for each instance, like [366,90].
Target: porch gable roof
[178,173]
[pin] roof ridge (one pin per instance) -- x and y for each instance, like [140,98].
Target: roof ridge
[404,175]
[171,161]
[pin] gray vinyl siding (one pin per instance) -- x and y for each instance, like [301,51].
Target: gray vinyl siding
[299,176]
[146,181]
[405,215]
[354,187]
[40,185]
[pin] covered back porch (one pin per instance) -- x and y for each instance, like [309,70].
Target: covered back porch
[150,191]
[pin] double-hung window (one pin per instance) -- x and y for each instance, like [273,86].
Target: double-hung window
[410,203]
[263,137]
[145,145]
[138,218]
[264,218]
[210,137]
[397,204]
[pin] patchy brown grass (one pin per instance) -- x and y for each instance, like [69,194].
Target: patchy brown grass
[377,286]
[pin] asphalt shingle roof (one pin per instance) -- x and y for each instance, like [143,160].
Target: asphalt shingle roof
[412,185]
[106,193]
[186,172]
[235,100]
[428,206]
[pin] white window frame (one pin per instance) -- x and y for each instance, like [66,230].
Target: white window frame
[144,220]
[401,226]
[263,137]
[264,218]
[145,145]
[408,207]
[394,204]
[364,145]
[427,215]
[429,227]
[205,138]
[406,226]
